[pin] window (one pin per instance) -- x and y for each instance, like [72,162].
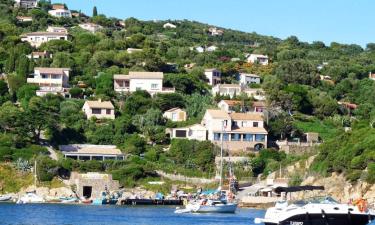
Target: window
[260,137]
[44,76]
[55,76]
[225,123]
[181,133]
[154,86]
[248,137]
[255,124]
[96,111]
[217,136]
[108,111]
[174,116]
[226,137]
[235,137]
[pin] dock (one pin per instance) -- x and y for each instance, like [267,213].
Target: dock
[150,202]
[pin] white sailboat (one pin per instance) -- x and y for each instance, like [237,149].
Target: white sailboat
[223,204]
[31,197]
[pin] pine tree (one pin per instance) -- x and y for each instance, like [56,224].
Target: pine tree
[94,11]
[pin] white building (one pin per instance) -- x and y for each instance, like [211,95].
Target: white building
[91,152]
[50,80]
[37,38]
[91,27]
[133,50]
[24,18]
[169,25]
[256,58]
[193,132]
[213,31]
[227,90]
[239,131]
[211,48]
[256,93]
[213,76]
[246,79]
[27,4]
[64,13]
[199,49]
[57,29]
[39,55]
[99,109]
[175,115]
[152,82]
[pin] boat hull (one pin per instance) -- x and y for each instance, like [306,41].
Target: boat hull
[224,208]
[328,219]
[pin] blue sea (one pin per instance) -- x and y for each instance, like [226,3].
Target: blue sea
[53,214]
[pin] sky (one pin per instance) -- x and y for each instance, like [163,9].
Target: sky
[343,21]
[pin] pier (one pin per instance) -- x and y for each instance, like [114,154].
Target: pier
[150,202]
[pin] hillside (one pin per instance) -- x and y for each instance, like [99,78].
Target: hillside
[310,87]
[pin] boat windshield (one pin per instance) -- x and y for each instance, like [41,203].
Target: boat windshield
[316,200]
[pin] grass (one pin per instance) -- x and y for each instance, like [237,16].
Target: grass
[11,180]
[326,128]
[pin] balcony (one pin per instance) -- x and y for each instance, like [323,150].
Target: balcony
[43,81]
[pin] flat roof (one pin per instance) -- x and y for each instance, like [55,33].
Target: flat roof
[88,149]
[140,75]
[51,70]
[247,116]
[46,34]
[218,114]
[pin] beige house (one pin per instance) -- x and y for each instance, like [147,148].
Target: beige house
[257,58]
[57,29]
[99,109]
[152,82]
[24,18]
[175,115]
[37,38]
[213,76]
[50,80]
[230,106]
[238,131]
[91,152]
[39,55]
[91,27]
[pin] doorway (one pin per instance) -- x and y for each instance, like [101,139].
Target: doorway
[87,191]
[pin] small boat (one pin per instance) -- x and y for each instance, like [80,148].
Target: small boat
[208,206]
[85,201]
[5,198]
[107,199]
[30,197]
[315,211]
[68,200]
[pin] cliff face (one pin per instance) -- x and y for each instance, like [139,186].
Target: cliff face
[339,188]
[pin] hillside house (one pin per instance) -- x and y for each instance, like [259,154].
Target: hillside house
[39,55]
[193,132]
[26,4]
[213,76]
[60,13]
[35,39]
[50,80]
[211,48]
[256,93]
[24,19]
[152,82]
[99,109]
[230,106]
[259,107]
[371,76]
[175,115]
[58,6]
[169,25]
[246,79]
[226,90]
[213,31]
[57,29]
[91,152]
[133,50]
[91,27]
[256,58]
[239,131]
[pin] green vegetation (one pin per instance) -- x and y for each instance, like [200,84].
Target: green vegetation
[11,180]
[298,100]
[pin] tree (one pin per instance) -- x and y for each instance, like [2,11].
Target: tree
[94,11]
[3,88]
[168,101]
[26,92]
[137,103]
[104,84]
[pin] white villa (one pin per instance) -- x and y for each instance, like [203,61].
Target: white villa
[213,76]
[246,79]
[175,115]
[60,13]
[27,4]
[57,29]
[91,152]
[50,80]
[256,58]
[169,25]
[152,82]
[99,109]
[239,131]
[193,132]
[91,27]
[227,90]
[37,38]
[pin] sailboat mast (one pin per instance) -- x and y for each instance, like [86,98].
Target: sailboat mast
[35,176]
[221,158]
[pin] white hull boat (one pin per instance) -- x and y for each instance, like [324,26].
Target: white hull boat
[30,197]
[213,207]
[5,198]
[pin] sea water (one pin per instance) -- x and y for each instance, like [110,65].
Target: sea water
[54,214]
